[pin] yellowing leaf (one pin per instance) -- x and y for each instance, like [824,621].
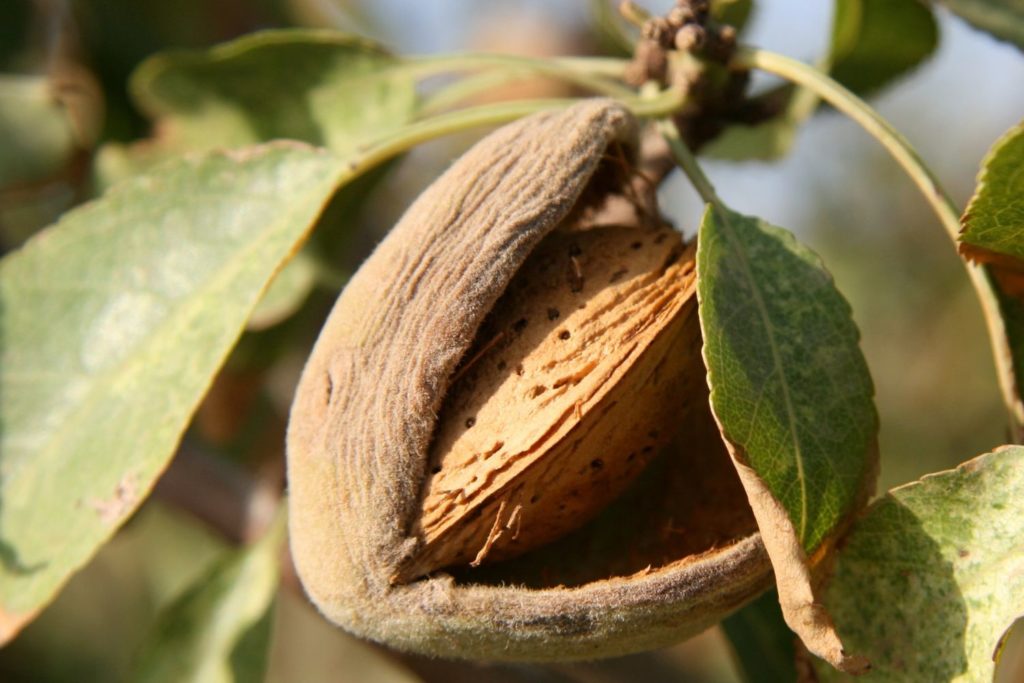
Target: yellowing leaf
[933,575]
[112,323]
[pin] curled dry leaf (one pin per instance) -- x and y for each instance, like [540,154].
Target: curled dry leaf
[499,345]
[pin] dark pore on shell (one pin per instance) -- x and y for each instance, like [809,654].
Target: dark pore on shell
[552,416]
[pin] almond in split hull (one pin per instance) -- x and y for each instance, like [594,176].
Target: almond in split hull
[579,375]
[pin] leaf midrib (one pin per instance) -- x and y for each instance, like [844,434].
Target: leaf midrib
[725,214]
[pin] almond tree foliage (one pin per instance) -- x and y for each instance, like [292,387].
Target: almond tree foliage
[179,207]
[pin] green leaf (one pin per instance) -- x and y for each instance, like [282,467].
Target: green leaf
[38,139]
[286,292]
[321,87]
[789,385]
[763,644]
[219,629]
[115,162]
[113,322]
[1003,19]
[876,41]
[994,220]
[793,400]
[929,580]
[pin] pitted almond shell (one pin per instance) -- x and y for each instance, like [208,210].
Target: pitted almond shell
[572,386]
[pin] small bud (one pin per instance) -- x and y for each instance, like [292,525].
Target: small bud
[690,38]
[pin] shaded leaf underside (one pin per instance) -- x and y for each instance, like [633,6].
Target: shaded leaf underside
[933,575]
[1003,19]
[217,630]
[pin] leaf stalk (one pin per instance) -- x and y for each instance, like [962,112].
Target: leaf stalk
[661,104]
[601,75]
[686,161]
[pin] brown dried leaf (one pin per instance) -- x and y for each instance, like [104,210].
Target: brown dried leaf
[804,615]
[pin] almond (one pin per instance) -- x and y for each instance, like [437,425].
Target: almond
[573,384]
[600,347]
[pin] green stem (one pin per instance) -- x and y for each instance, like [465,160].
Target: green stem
[468,87]
[845,101]
[417,133]
[688,163]
[901,150]
[609,67]
[662,104]
[600,75]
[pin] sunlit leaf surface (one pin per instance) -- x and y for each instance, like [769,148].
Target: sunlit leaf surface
[112,323]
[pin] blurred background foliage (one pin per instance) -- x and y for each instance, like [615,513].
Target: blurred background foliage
[65,67]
